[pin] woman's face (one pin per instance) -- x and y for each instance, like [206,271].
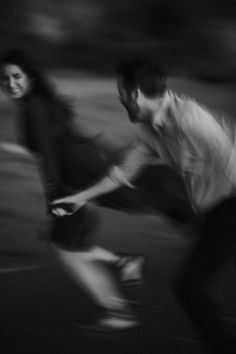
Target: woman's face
[14,81]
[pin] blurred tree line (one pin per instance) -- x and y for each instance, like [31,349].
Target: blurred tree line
[185,36]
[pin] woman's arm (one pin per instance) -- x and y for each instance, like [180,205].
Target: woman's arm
[42,134]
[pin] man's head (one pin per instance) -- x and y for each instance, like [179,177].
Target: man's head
[141,85]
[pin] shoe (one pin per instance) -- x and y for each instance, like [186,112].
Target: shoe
[115,321]
[131,268]
[111,323]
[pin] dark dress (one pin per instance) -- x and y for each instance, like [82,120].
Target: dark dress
[70,162]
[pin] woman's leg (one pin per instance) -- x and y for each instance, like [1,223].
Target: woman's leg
[90,265]
[94,277]
[130,267]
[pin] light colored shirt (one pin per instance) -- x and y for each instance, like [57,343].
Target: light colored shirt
[199,146]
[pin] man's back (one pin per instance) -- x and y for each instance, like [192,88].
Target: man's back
[199,146]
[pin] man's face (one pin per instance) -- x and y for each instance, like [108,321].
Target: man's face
[128,99]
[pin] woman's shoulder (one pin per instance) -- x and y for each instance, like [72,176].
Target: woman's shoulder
[41,103]
[50,109]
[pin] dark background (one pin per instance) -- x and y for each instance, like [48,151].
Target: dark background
[186,36]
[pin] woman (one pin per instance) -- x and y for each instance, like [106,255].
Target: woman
[68,162]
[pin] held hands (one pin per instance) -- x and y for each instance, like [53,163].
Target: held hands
[66,206]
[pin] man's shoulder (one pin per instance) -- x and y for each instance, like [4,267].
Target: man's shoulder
[193,113]
[184,102]
[186,107]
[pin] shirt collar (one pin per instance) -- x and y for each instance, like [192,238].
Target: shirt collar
[159,117]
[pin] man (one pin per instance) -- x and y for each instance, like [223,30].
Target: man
[201,149]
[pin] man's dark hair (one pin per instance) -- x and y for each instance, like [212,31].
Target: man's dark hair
[145,75]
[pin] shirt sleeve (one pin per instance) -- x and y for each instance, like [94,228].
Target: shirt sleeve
[136,158]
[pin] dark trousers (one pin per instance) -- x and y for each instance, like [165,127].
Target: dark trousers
[214,247]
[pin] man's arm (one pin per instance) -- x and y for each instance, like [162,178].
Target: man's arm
[134,161]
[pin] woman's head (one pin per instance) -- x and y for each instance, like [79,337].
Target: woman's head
[16,74]
[19,75]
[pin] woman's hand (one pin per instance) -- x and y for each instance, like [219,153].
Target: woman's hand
[66,206]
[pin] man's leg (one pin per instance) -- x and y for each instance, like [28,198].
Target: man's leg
[214,247]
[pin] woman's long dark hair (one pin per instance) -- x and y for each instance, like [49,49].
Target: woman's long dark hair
[41,85]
